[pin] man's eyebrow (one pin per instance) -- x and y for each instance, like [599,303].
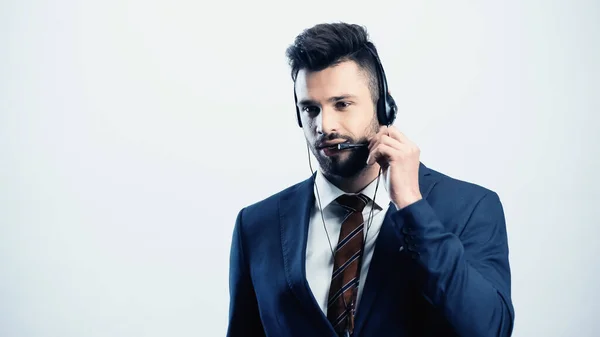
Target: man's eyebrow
[305,102]
[341,97]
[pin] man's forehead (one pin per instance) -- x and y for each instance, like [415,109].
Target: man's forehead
[342,78]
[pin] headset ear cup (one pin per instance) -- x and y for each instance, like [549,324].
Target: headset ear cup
[391,109]
[382,115]
[390,99]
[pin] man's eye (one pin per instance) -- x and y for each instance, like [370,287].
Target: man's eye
[311,109]
[341,105]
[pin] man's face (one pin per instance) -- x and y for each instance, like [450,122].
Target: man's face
[336,107]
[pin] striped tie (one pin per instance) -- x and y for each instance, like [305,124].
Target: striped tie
[346,265]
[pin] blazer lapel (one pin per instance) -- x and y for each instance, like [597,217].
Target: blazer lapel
[294,211]
[386,246]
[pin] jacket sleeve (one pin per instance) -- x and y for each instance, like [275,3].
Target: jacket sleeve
[465,275]
[244,317]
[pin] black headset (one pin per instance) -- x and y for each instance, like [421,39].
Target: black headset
[386,106]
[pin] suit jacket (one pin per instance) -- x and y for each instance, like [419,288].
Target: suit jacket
[440,267]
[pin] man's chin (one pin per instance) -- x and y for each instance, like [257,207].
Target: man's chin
[341,168]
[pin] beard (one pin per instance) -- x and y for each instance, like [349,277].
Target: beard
[348,163]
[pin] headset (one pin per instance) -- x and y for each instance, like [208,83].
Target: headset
[386,106]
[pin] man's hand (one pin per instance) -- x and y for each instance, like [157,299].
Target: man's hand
[399,160]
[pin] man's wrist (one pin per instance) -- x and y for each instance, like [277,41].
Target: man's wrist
[406,200]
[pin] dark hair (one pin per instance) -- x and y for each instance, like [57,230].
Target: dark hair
[328,44]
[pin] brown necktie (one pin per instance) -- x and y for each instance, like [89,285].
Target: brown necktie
[346,265]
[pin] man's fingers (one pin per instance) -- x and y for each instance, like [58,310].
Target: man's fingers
[407,145]
[390,141]
[382,151]
[398,135]
[387,140]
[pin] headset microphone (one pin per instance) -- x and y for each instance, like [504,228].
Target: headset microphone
[344,146]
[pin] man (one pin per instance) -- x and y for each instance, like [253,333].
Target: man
[336,255]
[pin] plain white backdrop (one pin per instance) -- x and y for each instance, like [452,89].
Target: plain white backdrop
[132,132]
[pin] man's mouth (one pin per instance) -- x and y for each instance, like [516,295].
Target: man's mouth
[332,149]
[344,146]
[329,146]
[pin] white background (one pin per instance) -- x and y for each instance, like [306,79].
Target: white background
[132,132]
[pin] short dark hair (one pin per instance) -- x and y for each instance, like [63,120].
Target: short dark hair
[328,44]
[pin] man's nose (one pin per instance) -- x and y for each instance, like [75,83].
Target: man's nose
[326,122]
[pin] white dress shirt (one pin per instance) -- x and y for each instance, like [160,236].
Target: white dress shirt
[319,257]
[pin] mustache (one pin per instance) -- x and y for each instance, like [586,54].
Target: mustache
[336,137]
[332,137]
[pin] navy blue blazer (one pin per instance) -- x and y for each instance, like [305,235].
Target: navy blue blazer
[440,267]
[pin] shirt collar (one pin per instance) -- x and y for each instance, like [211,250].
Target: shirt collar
[327,192]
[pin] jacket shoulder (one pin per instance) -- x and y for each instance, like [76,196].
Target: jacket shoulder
[448,186]
[266,210]
[456,200]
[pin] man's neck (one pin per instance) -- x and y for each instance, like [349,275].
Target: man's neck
[356,183]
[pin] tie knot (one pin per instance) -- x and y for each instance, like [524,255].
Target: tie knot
[355,202]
